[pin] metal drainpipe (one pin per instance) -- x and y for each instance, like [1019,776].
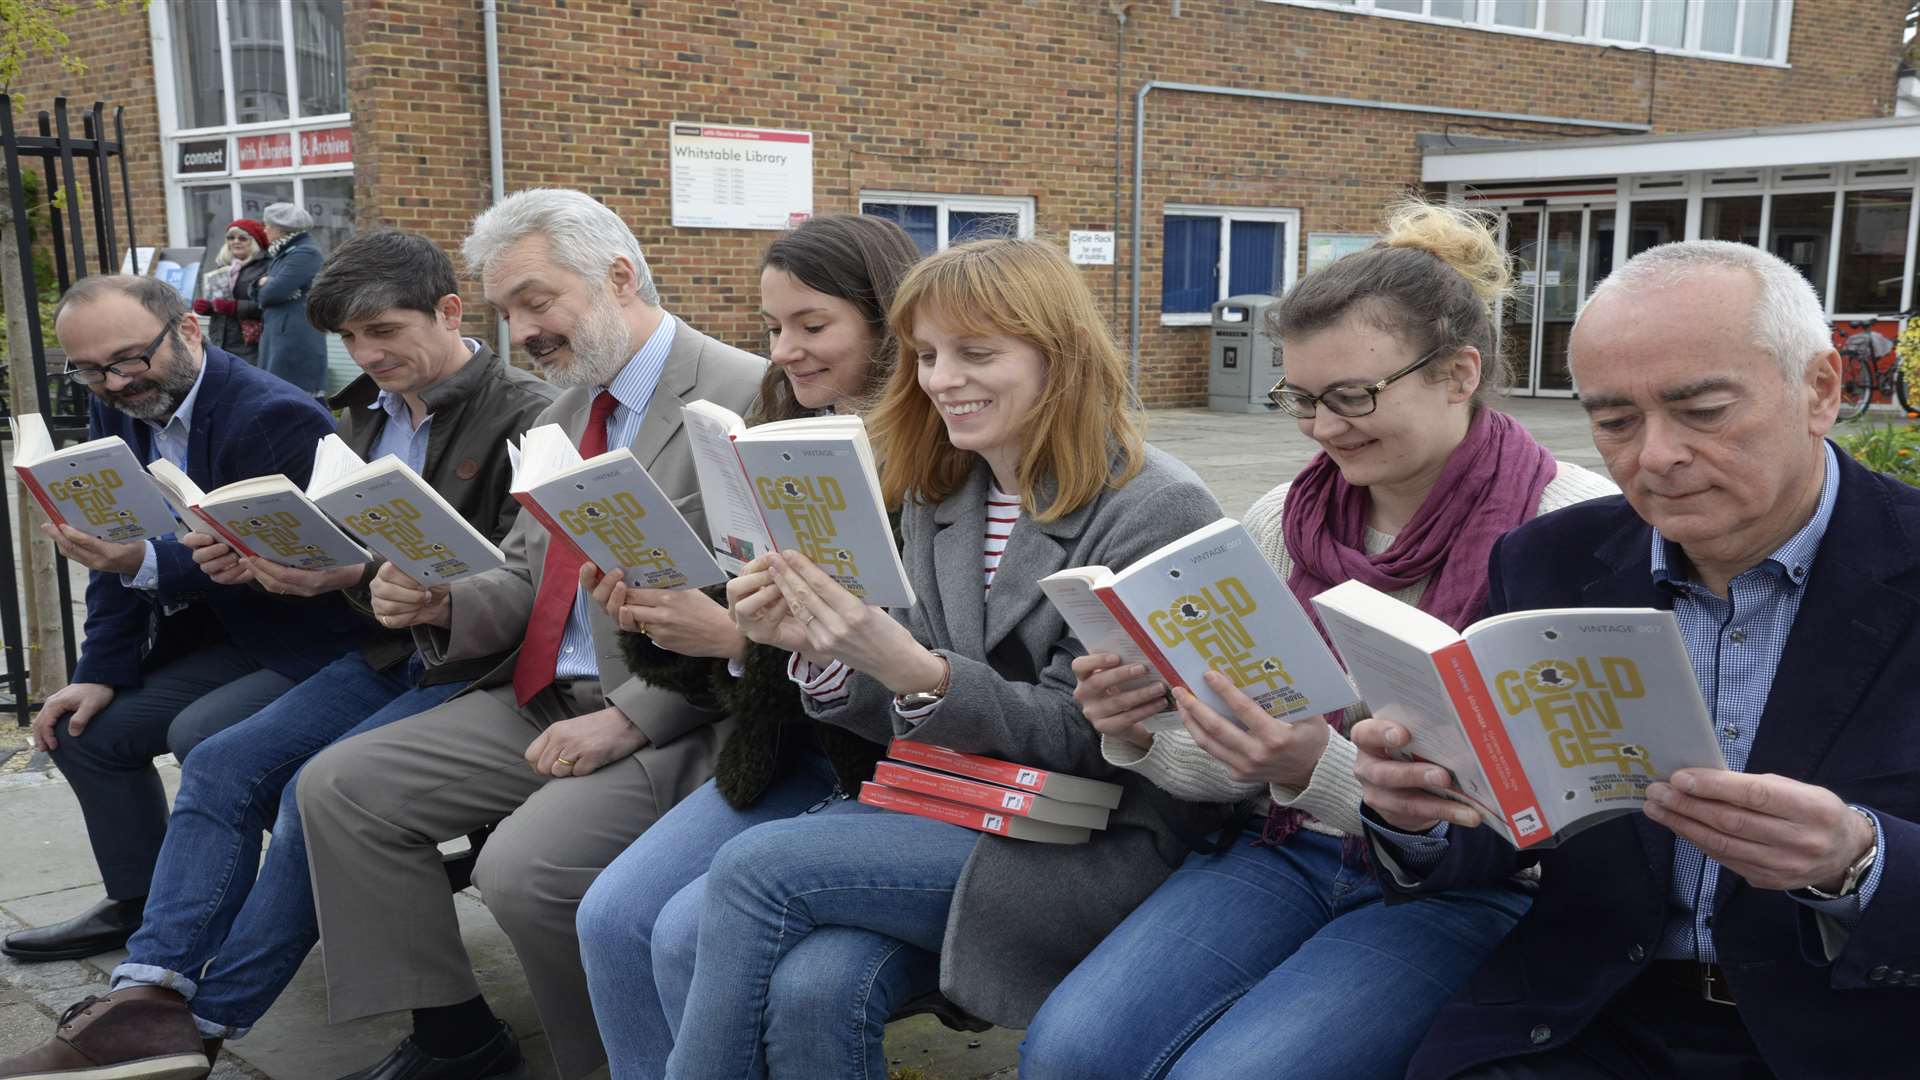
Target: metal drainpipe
[1140,154]
[490,16]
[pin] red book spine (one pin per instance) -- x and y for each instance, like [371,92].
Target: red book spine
[954,789]
[553,527]
[40,495]
[1480,722]
[1142,638]
[225,534]
[980,768]
[926,806]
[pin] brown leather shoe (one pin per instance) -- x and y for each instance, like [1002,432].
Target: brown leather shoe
[138,1033]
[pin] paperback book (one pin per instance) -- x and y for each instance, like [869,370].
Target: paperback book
[392,510]
[266,517]
[1209,601]
[806,485]
[1548,721]
[609,510]
[97,487]
[990,795]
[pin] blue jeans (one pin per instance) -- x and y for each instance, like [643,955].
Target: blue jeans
[222,927]
[811,932]
[110,767]
[616,918]
[1267,961]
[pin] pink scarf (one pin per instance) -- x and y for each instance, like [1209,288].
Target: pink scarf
[1491,484]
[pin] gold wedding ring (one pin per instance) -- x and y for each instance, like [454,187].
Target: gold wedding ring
[643,630]
[568,762]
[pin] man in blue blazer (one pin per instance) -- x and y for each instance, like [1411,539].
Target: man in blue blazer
[169,657]
[1758,920]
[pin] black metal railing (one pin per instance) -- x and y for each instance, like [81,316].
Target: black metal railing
[83,239]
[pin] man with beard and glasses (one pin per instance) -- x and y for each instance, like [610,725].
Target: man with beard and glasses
[169,655]
[557,746]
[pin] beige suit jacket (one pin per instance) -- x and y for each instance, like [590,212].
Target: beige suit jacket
[489,612]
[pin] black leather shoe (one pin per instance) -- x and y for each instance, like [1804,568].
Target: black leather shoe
[104,927]
[500,1056]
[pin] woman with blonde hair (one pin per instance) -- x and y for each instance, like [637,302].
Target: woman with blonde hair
[1273,954]
[1010,436]
[226,298]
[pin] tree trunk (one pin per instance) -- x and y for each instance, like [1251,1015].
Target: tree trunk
[40,610]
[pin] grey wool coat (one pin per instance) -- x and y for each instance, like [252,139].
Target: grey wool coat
[1025,913]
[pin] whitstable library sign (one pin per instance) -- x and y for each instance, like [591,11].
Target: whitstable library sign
[741,178]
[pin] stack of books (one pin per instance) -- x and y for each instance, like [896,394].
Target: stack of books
[1000,797]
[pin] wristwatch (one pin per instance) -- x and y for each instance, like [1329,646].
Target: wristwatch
[920,699]
[1856,873]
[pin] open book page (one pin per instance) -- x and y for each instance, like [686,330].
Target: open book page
[1211,602]
[97,487]
[392,510]
[1599,704]
[817,497]
[1072,593]
[733,520]
[333,462]
[619,518]
[1394,665]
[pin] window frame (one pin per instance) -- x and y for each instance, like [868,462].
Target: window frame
[1228,215]
[1020,205]
[293,127]
[1590,35]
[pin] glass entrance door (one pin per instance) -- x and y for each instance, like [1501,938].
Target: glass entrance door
[1558,254]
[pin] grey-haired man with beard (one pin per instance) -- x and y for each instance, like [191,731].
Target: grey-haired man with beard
[559,746]
[169,656]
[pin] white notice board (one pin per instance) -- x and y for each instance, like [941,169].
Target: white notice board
[741,178]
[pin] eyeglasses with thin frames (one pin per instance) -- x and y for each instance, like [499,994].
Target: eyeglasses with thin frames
[1351,402]
[126,367]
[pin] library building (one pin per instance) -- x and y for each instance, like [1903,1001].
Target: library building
[1181,151]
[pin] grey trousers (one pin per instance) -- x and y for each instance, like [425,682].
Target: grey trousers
[375,807]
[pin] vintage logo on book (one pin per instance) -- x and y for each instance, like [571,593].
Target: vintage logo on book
[810,504]
[1578,704]
[279,532]
[393,521]
[615,522]
[1213,622]
[92,494]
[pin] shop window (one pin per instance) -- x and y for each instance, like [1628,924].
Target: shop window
[1735,218]
[1800,230]
[320,56]
[936,222]
[1744,29]
[1210,254]
[1650,224]
[1873,251]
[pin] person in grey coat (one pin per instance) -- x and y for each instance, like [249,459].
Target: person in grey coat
[1009,435]
[290,346]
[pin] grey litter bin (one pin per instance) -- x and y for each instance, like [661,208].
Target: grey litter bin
[1242,362]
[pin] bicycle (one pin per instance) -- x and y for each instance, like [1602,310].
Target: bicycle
[1863,350]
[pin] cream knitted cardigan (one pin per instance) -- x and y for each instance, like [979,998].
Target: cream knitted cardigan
[1331,799]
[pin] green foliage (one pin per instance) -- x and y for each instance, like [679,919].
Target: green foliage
[1893,449]
[30,28]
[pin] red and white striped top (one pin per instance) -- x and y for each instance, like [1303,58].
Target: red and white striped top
[1003,513]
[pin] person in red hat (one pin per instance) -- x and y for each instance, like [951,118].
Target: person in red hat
[227,290]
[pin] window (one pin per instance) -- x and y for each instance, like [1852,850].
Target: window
[1735,218]
[1211,253]
[1650,224]
[1873,251]
[1800,230]
[937,222]
[253,104]
[1751,30]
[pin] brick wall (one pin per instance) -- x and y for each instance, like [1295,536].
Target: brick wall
[1012,97]
[118,56]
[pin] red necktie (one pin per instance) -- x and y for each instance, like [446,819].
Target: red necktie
[559,581]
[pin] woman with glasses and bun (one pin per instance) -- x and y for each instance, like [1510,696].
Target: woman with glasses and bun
[1274,954]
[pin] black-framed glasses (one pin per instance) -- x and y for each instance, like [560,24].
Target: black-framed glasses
[126,367]
[1348,401]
